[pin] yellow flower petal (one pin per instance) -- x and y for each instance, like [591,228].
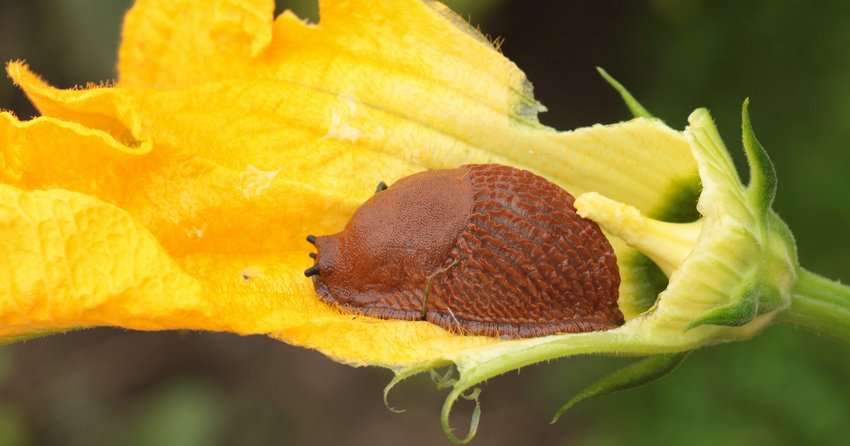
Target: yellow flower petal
[68,260]
[395,77]
[171,43]
[230,136]
[73,261]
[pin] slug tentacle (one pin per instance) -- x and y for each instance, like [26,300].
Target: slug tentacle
[312,271]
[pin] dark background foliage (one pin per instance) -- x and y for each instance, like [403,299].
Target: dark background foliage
[104,386]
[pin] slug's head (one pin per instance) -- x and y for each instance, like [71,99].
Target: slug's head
[391,243]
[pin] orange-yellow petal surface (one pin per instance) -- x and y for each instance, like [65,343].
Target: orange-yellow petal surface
[68,260]
[231,135]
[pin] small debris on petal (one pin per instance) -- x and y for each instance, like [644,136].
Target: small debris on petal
[251,272]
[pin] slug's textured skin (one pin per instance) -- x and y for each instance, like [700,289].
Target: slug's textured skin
[482,249]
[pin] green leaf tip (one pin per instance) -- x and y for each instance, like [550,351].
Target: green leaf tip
[633,375]
[732,315]
[754,298]
[396,379]
[762,187]
[473,395]
[401,375]
[638,110]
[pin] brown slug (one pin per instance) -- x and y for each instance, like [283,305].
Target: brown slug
[483,249]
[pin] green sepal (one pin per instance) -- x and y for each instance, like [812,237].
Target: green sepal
[742,222]
[770,300]
[762,187]
[634,106]
[754,298]
[742,310]
[444,380]
[473,422]
[633,375]
[401,375]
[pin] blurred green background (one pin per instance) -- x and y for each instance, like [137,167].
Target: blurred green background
[785,387]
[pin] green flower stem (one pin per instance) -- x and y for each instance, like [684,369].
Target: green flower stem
[820,305]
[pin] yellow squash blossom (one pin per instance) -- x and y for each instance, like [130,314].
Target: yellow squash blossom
[180,196]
